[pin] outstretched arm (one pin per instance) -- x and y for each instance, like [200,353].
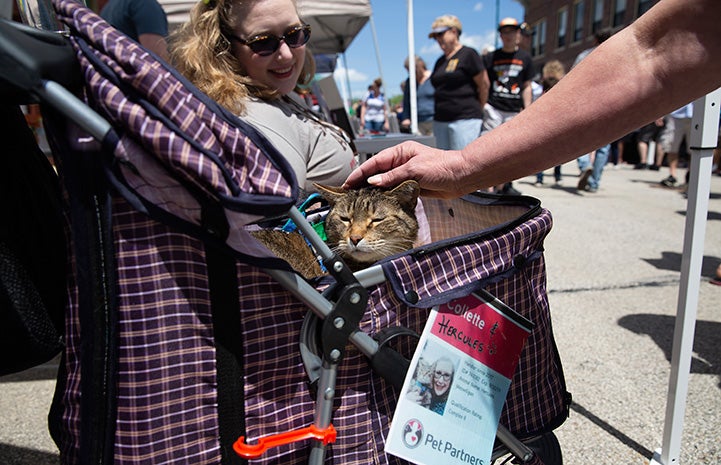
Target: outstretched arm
[670,56]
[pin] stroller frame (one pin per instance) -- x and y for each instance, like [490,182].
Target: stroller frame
[338,311]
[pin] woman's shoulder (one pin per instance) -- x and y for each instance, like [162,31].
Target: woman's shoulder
[277,114]
[276,121]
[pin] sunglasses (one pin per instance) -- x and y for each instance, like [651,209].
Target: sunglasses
[267,44]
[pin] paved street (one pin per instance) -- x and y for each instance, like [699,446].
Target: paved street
[614,260]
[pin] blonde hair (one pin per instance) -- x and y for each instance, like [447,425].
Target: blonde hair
[419,62]
[201,51]
[553,68]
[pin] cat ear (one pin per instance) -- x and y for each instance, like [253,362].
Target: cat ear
[406,193]
[330,193]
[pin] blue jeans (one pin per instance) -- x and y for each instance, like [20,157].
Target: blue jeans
[374,125]
[598,163]
[455,135]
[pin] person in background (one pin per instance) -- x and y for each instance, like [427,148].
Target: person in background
[144,21]
[457,78]
[424,99]
[507,83]
[678,125]
[250,56]
[552,72]
[591,164]
[680,48]
[373,108]
[526,44]
[650,133]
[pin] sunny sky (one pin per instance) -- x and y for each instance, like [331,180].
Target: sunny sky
[390,19]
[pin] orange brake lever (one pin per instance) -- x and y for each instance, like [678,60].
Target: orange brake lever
[253,451]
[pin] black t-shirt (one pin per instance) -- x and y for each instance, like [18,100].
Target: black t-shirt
[507,71]
[456,93]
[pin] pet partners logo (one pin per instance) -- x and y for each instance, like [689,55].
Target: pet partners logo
[412,433]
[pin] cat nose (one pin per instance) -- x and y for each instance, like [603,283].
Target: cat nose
[355,239]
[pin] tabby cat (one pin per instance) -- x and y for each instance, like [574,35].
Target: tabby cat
[362,226]
[422,379]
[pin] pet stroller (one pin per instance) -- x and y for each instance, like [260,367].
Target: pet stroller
[182,333]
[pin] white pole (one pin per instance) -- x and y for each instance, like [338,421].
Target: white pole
[412,70]
[380,67]
[348,95]
[704,127]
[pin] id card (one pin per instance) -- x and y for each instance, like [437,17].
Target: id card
[453,394]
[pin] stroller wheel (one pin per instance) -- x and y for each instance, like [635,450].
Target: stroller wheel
[547,448]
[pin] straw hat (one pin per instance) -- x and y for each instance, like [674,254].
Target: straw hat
[443,23]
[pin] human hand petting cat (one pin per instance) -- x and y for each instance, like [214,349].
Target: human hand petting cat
[440,173]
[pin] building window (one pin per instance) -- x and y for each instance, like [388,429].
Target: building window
[578,14]
[619,12]
[562,22]
[539,38]
[597,23]
[644,6]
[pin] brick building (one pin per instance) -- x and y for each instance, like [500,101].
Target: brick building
[564,28]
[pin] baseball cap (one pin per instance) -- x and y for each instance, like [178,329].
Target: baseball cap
[509,22]
[526,29]
[443,23]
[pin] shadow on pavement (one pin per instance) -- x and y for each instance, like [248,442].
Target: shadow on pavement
[672,261]
[570,188]
[23,456]
[610,429]
[710,215]
[46,371]
[706,346]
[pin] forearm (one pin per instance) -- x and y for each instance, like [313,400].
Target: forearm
[648,70]
[527,94]
[484,86]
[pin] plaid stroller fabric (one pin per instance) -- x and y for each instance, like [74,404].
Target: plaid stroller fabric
[173,153]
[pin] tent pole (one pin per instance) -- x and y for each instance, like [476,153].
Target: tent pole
[347,90]
[380,67]
[412,92]
[704,131]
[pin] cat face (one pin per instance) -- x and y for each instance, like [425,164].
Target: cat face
[424,372]
[368,224]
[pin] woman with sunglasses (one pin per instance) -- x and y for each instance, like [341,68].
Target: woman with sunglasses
[250,56]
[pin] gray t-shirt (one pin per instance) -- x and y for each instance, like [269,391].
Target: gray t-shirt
[317,152]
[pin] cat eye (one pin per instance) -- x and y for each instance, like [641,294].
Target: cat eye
[267,44]
[440,374]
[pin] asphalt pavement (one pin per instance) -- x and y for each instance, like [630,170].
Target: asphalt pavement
[613,261]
